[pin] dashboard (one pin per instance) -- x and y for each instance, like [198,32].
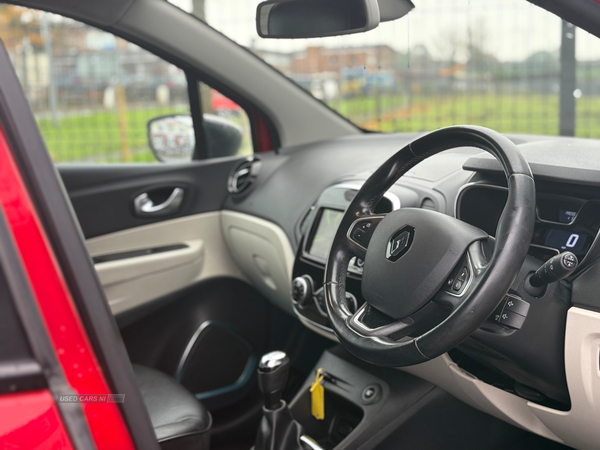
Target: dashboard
[529,374]
[563,223]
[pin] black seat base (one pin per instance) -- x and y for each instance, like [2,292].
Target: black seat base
[179,420]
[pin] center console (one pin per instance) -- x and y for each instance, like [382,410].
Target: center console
[363,404]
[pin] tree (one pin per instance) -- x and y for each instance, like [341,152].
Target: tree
[18,24]
[480,60]
[448,45]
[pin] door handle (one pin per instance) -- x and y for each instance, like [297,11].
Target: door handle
[144,206]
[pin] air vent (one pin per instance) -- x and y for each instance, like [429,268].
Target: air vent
[427,203]
[243,176]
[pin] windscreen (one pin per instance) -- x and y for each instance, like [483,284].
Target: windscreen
[505,64]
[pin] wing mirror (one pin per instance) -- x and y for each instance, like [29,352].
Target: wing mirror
[289,19]
[172,138]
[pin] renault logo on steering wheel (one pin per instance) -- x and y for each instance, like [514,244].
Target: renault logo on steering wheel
[399,243]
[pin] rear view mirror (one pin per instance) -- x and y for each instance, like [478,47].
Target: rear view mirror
[315,18]
[172,138]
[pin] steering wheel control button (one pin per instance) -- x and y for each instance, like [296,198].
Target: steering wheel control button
[365,226]
[555,269]
[516,305]
[511,319]
[459,278]
[371,394]
[362,230]
[511,312]
[569,260]
[457,285]
[359,235]
[497,312]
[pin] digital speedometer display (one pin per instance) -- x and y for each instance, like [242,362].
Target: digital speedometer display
[564,240]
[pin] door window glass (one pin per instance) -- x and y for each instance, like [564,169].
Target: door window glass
[97,97]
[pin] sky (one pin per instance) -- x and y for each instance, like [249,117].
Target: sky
[511,30]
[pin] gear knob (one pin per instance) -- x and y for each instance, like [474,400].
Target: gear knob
[273,371]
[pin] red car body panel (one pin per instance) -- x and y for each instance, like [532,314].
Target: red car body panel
[219,102]
[30,420]
[67,334]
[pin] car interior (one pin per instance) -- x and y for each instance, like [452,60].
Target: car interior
[256,270]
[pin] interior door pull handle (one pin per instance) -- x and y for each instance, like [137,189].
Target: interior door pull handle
[144,206]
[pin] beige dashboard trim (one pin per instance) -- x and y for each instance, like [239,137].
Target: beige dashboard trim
[264,254]
[135,281]
[579,427]
[443,372]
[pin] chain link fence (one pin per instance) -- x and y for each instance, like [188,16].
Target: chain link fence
[504,64]
[92,93]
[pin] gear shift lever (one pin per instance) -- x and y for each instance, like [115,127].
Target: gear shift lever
[273,370]
[278,430]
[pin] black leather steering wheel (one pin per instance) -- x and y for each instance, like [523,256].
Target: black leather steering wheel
[426,279]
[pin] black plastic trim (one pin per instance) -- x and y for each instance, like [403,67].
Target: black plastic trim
[102,196]
[583,13]
[21,375]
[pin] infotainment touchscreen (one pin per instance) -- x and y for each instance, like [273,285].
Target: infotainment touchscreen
[328,224]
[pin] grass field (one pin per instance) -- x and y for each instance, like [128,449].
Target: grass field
[95,136]
[531,114]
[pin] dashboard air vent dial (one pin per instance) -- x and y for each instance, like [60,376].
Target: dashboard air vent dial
[243,176]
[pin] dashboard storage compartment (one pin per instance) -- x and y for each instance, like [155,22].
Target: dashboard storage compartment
[341,418]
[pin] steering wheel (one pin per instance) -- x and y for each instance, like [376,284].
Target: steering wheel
[427,282]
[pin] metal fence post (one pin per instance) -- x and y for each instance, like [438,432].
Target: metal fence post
[122,119]
[567,80]
[45,29]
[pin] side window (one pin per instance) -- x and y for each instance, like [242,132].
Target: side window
[100,99]
[221,106]
[225,129]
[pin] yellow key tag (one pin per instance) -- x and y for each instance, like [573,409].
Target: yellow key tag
[317,397]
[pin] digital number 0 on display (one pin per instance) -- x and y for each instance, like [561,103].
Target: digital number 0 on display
[572,241]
